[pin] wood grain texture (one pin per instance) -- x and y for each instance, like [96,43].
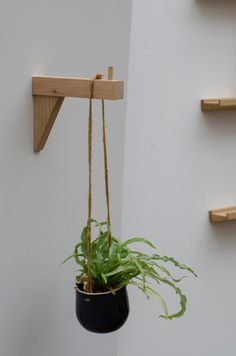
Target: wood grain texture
[46,109]
[218,104]
[49,93]
[78,87]
[224,214]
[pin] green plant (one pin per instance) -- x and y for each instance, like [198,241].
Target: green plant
[116,265]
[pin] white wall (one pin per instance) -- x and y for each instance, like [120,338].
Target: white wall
[43,199]
[178,164]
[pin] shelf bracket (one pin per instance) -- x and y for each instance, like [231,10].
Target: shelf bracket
[218,104]
[224,214]
[49,93]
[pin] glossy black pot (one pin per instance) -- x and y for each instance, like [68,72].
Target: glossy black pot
[102,312]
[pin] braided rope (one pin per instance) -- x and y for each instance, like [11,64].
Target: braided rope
[90,132]
[89,286]
[106,169]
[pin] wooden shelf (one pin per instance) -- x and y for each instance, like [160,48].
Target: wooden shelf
[77,87]
[218,104]
[49,93]
[224,214]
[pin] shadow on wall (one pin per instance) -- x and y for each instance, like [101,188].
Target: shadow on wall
[223,232]
[222,242]
[220,123]
[216,3]
[218,7]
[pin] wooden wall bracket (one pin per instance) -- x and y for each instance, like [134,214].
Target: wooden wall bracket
[224,214]
[49,93]
[218,104]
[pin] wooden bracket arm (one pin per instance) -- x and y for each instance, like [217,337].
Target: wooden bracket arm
[78,88]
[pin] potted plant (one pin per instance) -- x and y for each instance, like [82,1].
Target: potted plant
[114,265]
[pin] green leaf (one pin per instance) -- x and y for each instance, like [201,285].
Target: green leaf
[175,262]
[138,239]
[84,241]
[141,271]
[124,269]
[151,292]
[183,301]
[68,258]
[166,271]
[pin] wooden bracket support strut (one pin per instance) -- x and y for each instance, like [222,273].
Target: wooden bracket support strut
[46,109]
[49,93]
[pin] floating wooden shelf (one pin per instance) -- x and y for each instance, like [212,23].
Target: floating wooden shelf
[218,104]
[49,93]
[224,214]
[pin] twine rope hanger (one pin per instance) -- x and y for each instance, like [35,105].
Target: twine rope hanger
[89,287]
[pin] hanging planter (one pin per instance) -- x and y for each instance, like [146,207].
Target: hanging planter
[102,312]
[113,267]
[107,265]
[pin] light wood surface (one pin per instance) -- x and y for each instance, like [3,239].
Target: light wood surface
[110,72]
[78,87]
[218,104]
[49,93]
[46,109]
[224,214]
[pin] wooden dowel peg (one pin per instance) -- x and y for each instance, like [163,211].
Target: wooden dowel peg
[110,72]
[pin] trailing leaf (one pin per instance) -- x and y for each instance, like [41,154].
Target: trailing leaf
[175,262]
[138,239]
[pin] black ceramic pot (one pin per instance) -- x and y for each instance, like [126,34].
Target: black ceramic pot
[102,312]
